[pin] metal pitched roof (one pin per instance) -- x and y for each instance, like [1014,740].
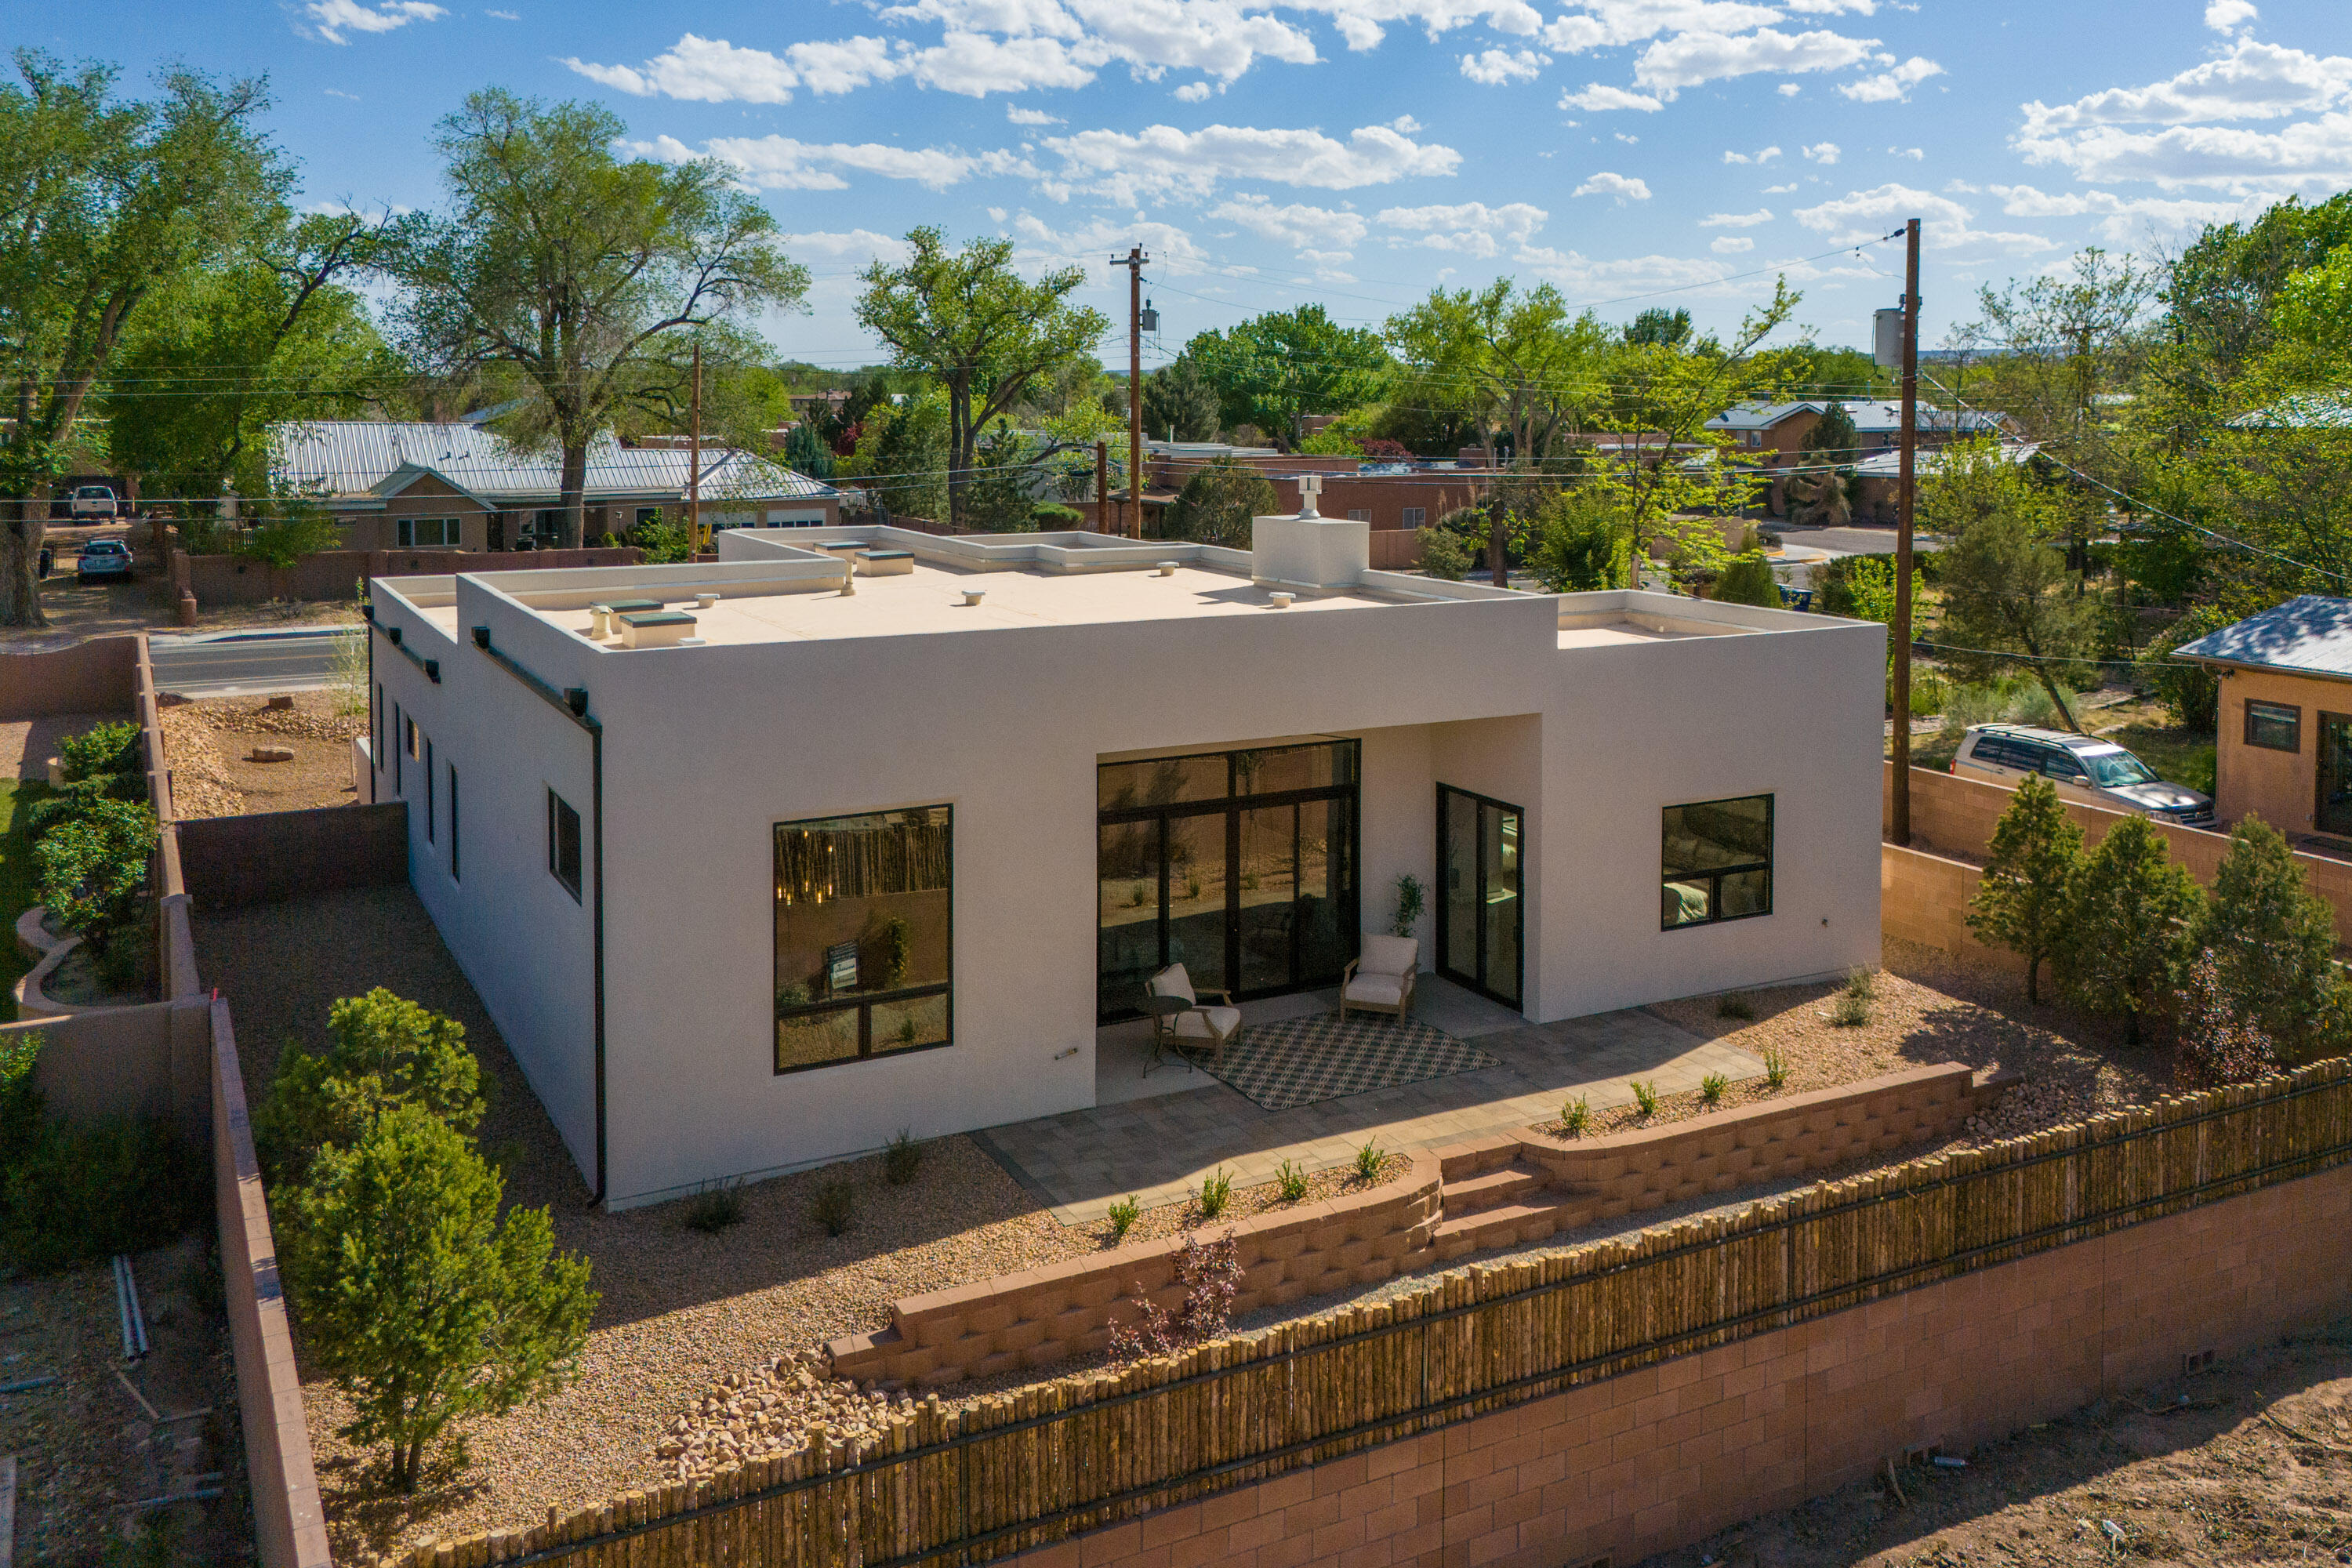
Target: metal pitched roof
[358,457]
[1870,416]
[2303,411]
[2312,634]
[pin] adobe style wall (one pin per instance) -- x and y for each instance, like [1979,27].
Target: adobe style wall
[232,861]
[1955,816]
[337,573]
[1048,1314]
[1924,898]
[1668,1454]
[98,675]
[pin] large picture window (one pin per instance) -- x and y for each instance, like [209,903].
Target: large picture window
[428,532]
[1717,861]
[863,938]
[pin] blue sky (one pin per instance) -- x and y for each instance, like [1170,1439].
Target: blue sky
[1356,152]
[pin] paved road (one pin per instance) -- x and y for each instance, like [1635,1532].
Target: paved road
[229,664]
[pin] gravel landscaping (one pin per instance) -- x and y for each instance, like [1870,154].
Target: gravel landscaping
[212,744]
[701,1337]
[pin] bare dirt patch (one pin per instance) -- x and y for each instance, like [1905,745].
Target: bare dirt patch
[27,744]
[210,743]
[2250,1463]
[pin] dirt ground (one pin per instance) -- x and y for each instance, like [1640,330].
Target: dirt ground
[2251,1462]
[27,744]
[681,1310]
[210,743]
[110,1433]
[76,610]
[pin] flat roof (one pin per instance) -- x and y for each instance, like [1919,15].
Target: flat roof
[930,598]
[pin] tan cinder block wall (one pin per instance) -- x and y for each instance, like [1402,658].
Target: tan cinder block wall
[1059,1310]
[132,1063]
[1956,815]
[1924,898]
[1666,1456]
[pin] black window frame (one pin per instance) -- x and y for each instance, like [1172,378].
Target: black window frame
[399,756]
[863,1003]
[557,810]
[452,531]
[453,824]
[2293,720]
[1714,875]
[428,791]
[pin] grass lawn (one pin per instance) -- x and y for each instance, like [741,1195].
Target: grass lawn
[2176,754]
[19,889]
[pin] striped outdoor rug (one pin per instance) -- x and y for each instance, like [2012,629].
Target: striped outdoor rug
[1298,1061]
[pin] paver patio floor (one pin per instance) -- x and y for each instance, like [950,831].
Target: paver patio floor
[1156,1150]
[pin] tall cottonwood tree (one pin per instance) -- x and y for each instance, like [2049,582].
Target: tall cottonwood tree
[577,276]
[103,202]
[972,323]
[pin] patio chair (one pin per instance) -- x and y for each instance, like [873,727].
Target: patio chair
[1195,1023]
[1380,979]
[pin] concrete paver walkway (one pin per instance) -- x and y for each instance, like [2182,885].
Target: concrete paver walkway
[1158,1149]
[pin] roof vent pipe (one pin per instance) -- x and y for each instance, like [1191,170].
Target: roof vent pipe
[1281,601]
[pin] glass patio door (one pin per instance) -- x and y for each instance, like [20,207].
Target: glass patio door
[1481,915]
[2332,812]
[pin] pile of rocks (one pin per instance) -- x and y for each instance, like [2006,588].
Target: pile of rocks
[200,784]
[311,716]
[2034,1106]
[775,1408]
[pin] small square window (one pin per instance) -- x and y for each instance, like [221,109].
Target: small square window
[564,842]
[1360,514]
[1416,516]
[2273,726]
[1717,861]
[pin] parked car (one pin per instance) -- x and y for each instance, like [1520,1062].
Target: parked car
[104,558]
[92,500]
[2083,767]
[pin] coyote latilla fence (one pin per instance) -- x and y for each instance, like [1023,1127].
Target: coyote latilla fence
[1023,1470]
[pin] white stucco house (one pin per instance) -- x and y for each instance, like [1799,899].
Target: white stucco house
[757,862]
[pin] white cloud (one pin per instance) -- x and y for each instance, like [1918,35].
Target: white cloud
[1579,276]
[330,19]
[1917,154]
[1730,244]
[337,92]
[1019,115]
[1687,59]
[2252,81]
[504,15]
[856,245]
[1299,226]
[975,64]
[1789,90]
[2124,218]
[1597,99]
[845,63]
[1609,24]
[1172,251]
[1822,152]
[1765,156]
[1163,160]
[1737,220]
[1405,123]
[1364,23]
[1193,92]
[1496,67]
[1624,187]
[1222,39]
[1473,228]
[1779,189]
[701,70]
[1832,7]
[2313,156]
[1861,215]
[779,163]
[1893,85]
[2223,15]
[1629,141]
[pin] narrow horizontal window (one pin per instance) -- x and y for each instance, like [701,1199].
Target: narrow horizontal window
[2273,726]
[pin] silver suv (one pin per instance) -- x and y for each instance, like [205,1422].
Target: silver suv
[2083,767]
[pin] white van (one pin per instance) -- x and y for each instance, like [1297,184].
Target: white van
[2083,767]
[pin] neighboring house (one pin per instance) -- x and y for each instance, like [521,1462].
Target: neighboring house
[2302,411]
[1772,434]
[2283,750]
[834,866]
[456,486]
[1880,477]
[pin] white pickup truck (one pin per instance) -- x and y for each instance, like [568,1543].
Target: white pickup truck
[92,500]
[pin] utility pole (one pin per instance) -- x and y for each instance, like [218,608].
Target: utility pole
[1133,261]
[694,454]
[1906,490]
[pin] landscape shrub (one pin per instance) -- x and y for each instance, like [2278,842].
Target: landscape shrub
[1576,1117]
[902,1157]
[21,1105]
[1735,1004]
[1646,1096]
[415,1299]
[103,751]
[835,1203]
[1123,1214]
[1370,1158]
[2273,943]
[2217,1043]
[93,1190]
[1711,1088]
[2131,925]
[1290,1181]
[1211,1277]
[93,869]
[2024,901]
[1216,1192]
[385,1051]
[1444,555]
[716,1206]
[1747,580]
[1217,504]
[1776,1067]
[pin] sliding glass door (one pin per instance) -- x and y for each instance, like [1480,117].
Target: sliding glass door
[1240,866]
[1481,917]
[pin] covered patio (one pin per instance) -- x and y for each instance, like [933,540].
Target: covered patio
[1154,1136]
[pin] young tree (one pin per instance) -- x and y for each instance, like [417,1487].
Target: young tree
[1661,327]
[1747,580]
[582,276]
[902,455]
[413,1295]
[1581,541]
[2025,897]
[102,203]
[1272,368]
[2006,587]
[2064,339]
[976,326]
[2133,921]
[2273,943]
[385,1051]
[1217,504]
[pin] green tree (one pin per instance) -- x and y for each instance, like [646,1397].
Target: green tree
[1179,403]
[1580,542]
[2273,942]
[1859,586]
[101,203]
[806,452]
[414,1297]
[980,329]
[1270,369]
[2132,922]
[2219,293]
[2005,585]
[1525,364]
[2216,1043]
[382,1051]
[577,278]
[1217,504]
[293,527]
[998,500]
[2025,898]
[1747,580]
[902,457]
[1660,327]
[2064,339]
[93,869]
